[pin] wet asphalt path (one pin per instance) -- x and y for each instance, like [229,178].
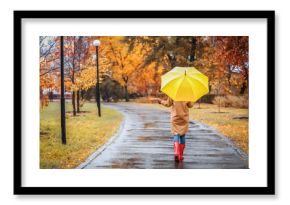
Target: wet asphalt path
[145,142]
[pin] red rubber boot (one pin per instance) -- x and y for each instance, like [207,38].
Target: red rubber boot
[176,153]
[180,150]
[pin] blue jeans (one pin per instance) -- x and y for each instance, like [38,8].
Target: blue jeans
[179,138]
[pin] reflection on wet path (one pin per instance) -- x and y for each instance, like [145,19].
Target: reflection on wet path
[146,143]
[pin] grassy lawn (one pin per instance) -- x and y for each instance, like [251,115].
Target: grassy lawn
[224,122]
[85,133]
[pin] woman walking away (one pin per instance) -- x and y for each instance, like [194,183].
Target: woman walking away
[179,124]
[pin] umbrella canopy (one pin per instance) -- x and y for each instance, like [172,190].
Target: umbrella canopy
[184,84]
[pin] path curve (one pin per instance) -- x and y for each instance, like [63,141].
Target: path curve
[145,142]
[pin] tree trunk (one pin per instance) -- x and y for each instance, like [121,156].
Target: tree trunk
[219,95]
[126,93]
[82,94]
[73,81]
[41,99]
[74,103]
[219,103]
[243,88]
[78,101]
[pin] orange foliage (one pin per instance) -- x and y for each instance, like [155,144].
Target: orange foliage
[127,62]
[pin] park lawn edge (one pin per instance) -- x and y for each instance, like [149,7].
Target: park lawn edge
[81,143]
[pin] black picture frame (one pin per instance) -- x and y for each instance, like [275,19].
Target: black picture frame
[268,190]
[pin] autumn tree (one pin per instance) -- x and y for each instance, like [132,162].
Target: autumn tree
[124,60]
[224,59]
[79,70]
[71,68]
[49,62]
[84,77]
[237,59]
[170,51]
[79,65]
[164,53]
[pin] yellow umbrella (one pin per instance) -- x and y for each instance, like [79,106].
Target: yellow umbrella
[184,84]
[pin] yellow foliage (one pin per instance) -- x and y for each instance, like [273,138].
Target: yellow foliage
[86,78]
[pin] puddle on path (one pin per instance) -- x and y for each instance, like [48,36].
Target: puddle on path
[146,139]
[148,125]
[125,165]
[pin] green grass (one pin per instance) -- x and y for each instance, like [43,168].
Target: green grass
[224,122]
[85,133]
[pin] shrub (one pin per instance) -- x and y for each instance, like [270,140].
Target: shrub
[220,100]
[111,90]
[232,101]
